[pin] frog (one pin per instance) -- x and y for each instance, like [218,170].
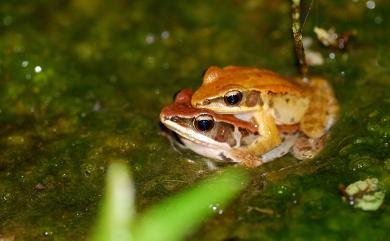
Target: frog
[269,100]
[222,137]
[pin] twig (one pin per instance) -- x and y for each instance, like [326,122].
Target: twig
[297,34]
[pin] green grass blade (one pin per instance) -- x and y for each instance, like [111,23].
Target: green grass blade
[174,218]
[118,206]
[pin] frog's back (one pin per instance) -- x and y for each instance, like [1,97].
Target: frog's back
[221,79]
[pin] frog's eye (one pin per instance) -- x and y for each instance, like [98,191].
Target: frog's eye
[233,97]
[204,123]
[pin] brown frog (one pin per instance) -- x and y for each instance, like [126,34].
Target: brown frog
[220,136]
[269,100]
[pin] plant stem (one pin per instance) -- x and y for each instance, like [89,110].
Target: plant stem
[297,34]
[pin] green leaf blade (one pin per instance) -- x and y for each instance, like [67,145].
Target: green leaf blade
[174,218]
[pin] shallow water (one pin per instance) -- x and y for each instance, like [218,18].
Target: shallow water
[82,84]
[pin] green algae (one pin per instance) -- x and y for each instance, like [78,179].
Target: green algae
[82,84]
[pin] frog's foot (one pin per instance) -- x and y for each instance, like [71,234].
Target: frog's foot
[322,111]
[174,140]
[246,159]
[307,148]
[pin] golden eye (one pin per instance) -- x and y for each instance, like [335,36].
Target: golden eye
[233,97]
[204,123]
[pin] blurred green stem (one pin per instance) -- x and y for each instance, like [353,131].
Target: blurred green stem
[118,206]
[174,218]
[170,220]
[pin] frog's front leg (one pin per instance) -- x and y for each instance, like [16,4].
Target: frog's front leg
[269,136]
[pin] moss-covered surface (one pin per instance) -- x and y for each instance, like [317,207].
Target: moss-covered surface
[82,83]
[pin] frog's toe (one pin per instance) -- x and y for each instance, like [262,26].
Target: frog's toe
[307,148]
[247,159]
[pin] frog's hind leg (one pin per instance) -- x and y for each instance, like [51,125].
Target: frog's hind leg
[322,111]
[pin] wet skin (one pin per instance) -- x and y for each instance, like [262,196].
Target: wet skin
[269,100]
[222,136]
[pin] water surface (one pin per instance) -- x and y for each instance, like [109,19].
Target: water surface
[82,84]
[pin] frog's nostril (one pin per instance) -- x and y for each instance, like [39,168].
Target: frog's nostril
[174,119]
[206,102]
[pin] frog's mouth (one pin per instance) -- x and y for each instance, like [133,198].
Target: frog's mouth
[195,136]
[211,152]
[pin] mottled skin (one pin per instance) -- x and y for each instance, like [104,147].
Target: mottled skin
[269,100]
[322,111]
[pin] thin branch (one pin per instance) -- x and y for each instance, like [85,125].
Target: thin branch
[297,34]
